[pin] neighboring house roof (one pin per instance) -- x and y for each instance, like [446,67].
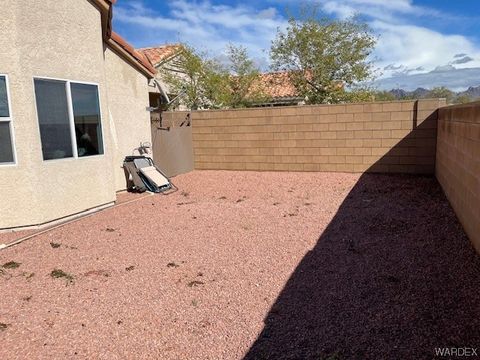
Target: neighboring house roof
[159,54]
[275,88]
[277,85]
[119,44]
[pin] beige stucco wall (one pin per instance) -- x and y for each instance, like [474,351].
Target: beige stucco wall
[128,100]
[58,39]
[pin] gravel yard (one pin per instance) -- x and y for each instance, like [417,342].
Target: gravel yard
[244,265]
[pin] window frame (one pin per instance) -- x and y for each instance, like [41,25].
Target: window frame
[71,117]
[9,121]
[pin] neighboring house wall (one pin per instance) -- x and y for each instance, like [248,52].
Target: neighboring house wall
[458,163]
[128,99]
[166,59]
[179,104]
[375,137]
[62,39]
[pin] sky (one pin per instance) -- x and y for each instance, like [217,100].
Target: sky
[421,43]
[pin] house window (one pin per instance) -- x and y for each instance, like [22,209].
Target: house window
[69,119]
[86,113]
[7,152]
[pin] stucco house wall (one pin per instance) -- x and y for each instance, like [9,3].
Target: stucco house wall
[69,46]
[128,100]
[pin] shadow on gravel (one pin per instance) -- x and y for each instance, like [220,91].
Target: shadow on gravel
[393,276]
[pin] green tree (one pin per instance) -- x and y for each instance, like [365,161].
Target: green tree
[200,80]
[383,96]
[324,57]
[245,88]
[442,92]
[215,85]
[463,99]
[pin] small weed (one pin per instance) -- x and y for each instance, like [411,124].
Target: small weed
[184,193]
[109,229]
[104,273]
[130,268]
[199,273]
[239,200]
[58,274]
[222,198]
[276,203]
[172,265]
[194,217]
[3,326]
[185,203]
[55,245]
[28,275]
[195,283]
[27,298]
[5,274]
[11,265]
[351,246]
[119,322]
[194,302]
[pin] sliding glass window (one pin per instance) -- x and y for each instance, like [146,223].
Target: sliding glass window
[53,118]
[86,112]
[7,152]
[69,119]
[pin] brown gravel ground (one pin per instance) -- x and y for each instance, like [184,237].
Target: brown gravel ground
[250,265]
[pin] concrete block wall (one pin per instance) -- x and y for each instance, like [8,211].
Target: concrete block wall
[458,164]
[376,137]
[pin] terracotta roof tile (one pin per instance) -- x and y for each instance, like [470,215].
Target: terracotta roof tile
[278,85]
[275,85]
[158,54]
[140,57]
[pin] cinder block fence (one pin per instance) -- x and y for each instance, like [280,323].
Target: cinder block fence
[458,163]
[379,137]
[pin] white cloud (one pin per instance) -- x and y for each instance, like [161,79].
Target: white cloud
[402,44]
[414,46]
[207,26]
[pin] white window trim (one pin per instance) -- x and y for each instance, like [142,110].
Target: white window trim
[9,120]
[71,117]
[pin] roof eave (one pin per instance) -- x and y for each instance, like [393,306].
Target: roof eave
[105,7]
[117,43]
[149,71]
